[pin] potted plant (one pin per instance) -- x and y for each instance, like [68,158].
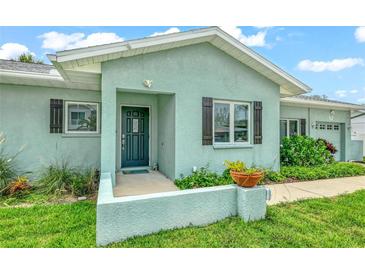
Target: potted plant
[242,176]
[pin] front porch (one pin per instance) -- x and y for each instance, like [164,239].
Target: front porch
[142,183]
[138,132]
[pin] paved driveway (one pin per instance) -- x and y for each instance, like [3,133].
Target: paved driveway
[315,189]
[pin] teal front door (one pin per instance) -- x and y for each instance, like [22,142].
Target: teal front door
[135,136]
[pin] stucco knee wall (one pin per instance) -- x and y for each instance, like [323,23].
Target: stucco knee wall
[125,217]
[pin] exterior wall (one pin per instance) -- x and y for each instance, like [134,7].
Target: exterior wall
[24,119]
[138,99]
[123,217]
[191,73]
[166,134]
[358,130]
[322,115]
[357,152]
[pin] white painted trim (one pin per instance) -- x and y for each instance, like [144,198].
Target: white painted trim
[287,125]
[149,133]
[232,143]
[71,132]
[27,74]
[193,36]
[320,104]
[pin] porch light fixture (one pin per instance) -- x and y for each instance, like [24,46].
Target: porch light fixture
[147,83]
[332,115]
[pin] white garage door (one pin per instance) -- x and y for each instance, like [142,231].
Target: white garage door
[332,133]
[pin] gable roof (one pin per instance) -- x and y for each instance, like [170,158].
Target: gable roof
[317,101]
[70,63]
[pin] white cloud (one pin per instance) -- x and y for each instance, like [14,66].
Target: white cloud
[170,30]
[360,34]
[13,50]
[61,41]
[333,65]
[341,93]
[354,91]
[255,40]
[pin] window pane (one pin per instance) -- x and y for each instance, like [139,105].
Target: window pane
[81,117]
[240,123]
[293,128]
[221,123]
[283,128]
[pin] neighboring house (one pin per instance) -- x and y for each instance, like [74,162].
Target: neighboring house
[358,127]
[176,101]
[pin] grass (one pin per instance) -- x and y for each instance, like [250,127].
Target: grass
[328,222]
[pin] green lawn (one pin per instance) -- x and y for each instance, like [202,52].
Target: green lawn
[336,222]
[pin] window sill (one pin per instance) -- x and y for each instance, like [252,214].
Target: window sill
[232,146]
[81,135]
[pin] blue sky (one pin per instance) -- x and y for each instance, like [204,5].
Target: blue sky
[329,59]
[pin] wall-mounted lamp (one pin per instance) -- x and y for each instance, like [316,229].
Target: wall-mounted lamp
[332,115]
[147,83]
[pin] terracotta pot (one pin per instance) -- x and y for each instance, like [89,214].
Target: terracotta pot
[246,180]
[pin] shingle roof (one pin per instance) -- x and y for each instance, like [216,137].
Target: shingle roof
[321,99]
[26,67]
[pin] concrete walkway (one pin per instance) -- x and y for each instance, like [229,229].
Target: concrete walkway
[145,183]
[314,189]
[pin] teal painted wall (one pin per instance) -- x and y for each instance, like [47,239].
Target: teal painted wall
[191,73]
[24,119]
[166,134]
[322,115]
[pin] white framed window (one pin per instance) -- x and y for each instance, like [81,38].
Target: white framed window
[231,123]
[289,127]
[82,117]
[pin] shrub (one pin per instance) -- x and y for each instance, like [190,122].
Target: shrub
[19,185]
[273,176]
[84,182]
[334,170]
[202,178]
[304,151]
[330,147]
[60,178]
[8,171]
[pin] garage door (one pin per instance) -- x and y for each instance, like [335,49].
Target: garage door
[332,133]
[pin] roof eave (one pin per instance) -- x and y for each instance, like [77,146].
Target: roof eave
[321,104]
[293,85]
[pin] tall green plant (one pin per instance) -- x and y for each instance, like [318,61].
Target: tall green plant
[304,151]
[61,178]
[8,170]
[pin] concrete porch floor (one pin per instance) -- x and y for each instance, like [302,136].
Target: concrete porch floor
[145,183]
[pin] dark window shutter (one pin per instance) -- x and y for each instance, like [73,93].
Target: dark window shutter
[207,107]
[257,122]
[302,127]
[56,116]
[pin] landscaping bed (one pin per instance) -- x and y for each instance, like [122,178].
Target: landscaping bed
[325,222]
[287,174]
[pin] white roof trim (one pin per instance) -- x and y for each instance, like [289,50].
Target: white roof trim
[213,34]
[45,80]
[320,104]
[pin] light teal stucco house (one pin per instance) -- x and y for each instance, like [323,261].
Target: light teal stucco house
[176,102]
